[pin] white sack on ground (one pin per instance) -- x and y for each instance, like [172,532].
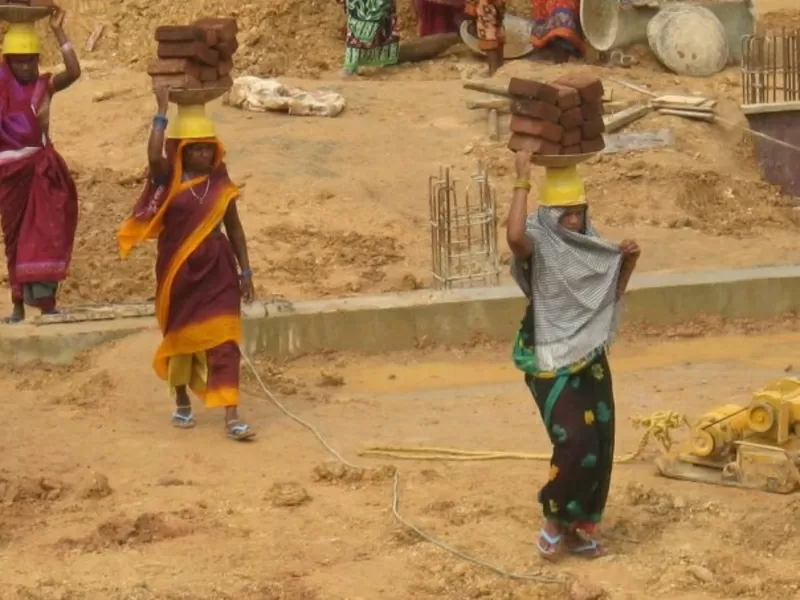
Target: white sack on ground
[261,95]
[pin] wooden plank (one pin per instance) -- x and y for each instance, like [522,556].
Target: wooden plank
[681,100]
[426,48]
[502,90]
[689,114]
[494,125]
[670,106]
[487,88]
[500,104]
[624,118]
[632,86]
[91,43]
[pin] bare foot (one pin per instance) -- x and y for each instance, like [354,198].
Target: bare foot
[17,314]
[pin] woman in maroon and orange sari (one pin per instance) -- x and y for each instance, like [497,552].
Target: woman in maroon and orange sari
[187,200]
[38,200]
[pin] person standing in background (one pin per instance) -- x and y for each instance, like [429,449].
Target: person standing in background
[372,37]
[489,29]
[555,33]
[38,199]
[557,29]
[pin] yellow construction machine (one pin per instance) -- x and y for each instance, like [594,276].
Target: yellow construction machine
[755,446]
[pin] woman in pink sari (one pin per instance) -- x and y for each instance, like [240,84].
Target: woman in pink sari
[38,200]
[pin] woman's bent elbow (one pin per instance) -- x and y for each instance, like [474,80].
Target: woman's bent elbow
[520,247]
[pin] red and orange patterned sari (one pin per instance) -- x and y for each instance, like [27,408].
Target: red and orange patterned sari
[557,20]
[197,293]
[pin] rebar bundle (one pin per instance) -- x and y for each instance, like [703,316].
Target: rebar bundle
[463,233]
[771,68]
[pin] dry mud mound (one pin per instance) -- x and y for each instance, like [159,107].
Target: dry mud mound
[294,37]
[278,37]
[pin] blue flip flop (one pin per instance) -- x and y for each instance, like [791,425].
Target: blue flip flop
[591,549]
[553,541]
[239,432]
[182,421]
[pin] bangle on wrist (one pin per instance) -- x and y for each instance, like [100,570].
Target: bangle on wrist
[66,47]
[160,121]
[246,273]
[522,184]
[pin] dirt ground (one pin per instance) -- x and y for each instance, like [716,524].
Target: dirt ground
[101,498]
[340,206]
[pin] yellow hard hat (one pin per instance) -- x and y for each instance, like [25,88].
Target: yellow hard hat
[562,187]
[21,38]
[192,123]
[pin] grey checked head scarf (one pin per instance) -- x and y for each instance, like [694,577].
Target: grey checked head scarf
[572,284]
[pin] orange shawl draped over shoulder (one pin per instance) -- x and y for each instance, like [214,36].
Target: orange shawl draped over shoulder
[197,297]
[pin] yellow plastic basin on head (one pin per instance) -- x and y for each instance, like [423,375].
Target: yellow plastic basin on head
[192,123]
[562,187]
[21,38]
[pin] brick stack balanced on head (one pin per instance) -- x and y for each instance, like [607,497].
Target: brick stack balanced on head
[562,117]
[35,3]
[195,56]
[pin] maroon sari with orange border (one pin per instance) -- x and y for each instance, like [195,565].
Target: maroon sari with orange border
[38,199]
[198,298]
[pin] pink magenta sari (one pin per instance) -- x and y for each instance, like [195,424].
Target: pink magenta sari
[38,199]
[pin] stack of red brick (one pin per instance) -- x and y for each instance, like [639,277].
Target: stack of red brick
[561,117]
[195,56]
[45,3]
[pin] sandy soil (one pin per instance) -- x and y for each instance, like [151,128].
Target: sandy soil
[340,206]
[101,498]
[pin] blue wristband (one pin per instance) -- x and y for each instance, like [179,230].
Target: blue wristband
[246,273]
[160,121]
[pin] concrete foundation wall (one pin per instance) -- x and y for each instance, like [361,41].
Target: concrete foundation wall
[403,321]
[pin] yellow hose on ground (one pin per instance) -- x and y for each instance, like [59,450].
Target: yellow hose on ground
[657,427]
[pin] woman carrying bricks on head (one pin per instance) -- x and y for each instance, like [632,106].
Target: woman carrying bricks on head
[188,198]
[574,280]
[372,38]
[38,200]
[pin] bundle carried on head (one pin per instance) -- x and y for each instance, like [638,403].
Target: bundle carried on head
[195,56]
[563,117]
[35,3]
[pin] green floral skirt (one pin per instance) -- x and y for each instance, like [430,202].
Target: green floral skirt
[577,407]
